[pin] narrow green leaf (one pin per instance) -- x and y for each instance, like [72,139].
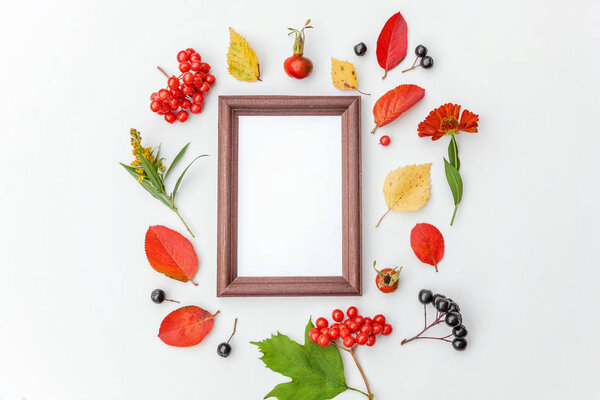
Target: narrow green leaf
[131,170]
[307,22]
[155,163]
[453,153]
[454,181]
[181,176]
[155,193]
[151,173]
[176,159]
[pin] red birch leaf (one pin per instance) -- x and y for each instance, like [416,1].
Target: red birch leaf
[392,43]
[395,102]
[428,244]
[186,326]
[170,253]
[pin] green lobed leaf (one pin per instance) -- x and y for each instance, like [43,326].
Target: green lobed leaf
[454,181]
[453,153]
[176,159]
[181,176]
[317,372]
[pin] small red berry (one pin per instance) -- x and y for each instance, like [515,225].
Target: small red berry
[164,94]
[188,90]
[204,67]
[324,331]
[387,329]
[362,338]
[314,337]
[173,82]
[170,117]
[384,141]
[377,328]
[360,320]
[353,326]
[334,333]
[198,98]
[155,105]
[190,51]
[154,96]
[380,319]
[352,312]
[349,341]
[337,315]
[205,87]
[345,332]
[182,116]
[185,103]
[195,65]
[195,57]
[371,340]
[184,66]
[182,56]
[368,321]
[188,78]
[174,103]
[366,329]
[321,323]
[312,330]
[324,340]
[165,107]
[195,108]
[210,79]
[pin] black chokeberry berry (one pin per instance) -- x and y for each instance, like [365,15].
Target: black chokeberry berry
[425,296]
[453,318]
[224,349]
[158,296]
[459,344]
[427,62]
[453,306]
[442,305]
[459,331]
[360,49]
[421,51]
[436,297]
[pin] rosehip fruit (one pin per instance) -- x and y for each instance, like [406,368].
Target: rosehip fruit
[298,66]
[387,279]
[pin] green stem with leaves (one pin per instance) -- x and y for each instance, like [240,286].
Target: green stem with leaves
[452,175]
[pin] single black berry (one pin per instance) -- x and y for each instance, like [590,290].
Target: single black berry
[459,331]
[436,297]
[224,349]
[453,318]
[459,344]
[427,62]
[425,296]
[360,49]
[453,306]
[158,296]
[421,51]
[442,305]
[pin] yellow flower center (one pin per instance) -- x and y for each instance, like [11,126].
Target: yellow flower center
[449,124]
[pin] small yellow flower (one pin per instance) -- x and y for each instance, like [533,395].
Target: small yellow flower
[140,178]
[139,171]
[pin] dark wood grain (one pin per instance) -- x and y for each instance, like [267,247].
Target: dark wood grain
[350,282]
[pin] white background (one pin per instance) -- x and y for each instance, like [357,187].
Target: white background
[289,183]
[76,320]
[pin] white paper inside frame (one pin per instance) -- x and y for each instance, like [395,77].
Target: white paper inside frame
[289,196]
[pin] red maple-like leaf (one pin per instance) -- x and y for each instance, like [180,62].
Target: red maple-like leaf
[392,43]
[428,244]
[170,253]
[395,102]
[186,326]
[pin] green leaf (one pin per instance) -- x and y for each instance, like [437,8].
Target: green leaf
[181,176]
[176,159]
[453,153]
[317,372]
[307,22]
[151,173]
[454,181]
[155,193]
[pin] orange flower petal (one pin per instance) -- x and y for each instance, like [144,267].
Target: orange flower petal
[468,122]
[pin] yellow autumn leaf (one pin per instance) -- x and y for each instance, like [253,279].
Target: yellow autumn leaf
[343,75]
[242,61]
[407,188]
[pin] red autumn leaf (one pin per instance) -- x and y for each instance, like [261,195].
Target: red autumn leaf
[186,326]
[428,244]
[395,102]
[170,253]
[392,43]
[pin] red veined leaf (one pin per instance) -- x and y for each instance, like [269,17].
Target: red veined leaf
[186,326]
[428,244]
[395,102]
[170,253]
[392,43]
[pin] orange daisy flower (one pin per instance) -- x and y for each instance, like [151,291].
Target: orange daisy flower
[444,120]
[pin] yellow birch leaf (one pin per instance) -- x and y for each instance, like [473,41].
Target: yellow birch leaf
[407,188]
[343,75]
[242,61]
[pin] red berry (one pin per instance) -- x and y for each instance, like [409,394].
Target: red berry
[188,90]
[174,103]
[366,329]
[195,108]
[165,107]
[210,79]
[321,323]
[387,329]
[385,140]
[377,328]
[371,340]
[314,337]
[190,51]
[184,66]
[324,340]
[205,87]
[368,321]
[195,57]
[345,332]
[334,333]
[380,319]
[188,78]
[170,117]
[155,105]
[182,56]
[198,98]
[182,116]
[362,338]
[173,82]
[360,320]
[312,330]
[352,312]
[337,315]
[154,96]
[353,326]
[324,331]
[205,68]
[195,65]
[164,94]
[349,341]
[185,103]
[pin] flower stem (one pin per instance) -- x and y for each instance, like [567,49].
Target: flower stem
[182,220]
[454,214]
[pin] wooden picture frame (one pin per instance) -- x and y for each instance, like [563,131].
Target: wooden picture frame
[349,283]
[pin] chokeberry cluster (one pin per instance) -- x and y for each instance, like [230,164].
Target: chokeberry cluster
[425,60]
[448,311]
[353,330]
[183,92]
